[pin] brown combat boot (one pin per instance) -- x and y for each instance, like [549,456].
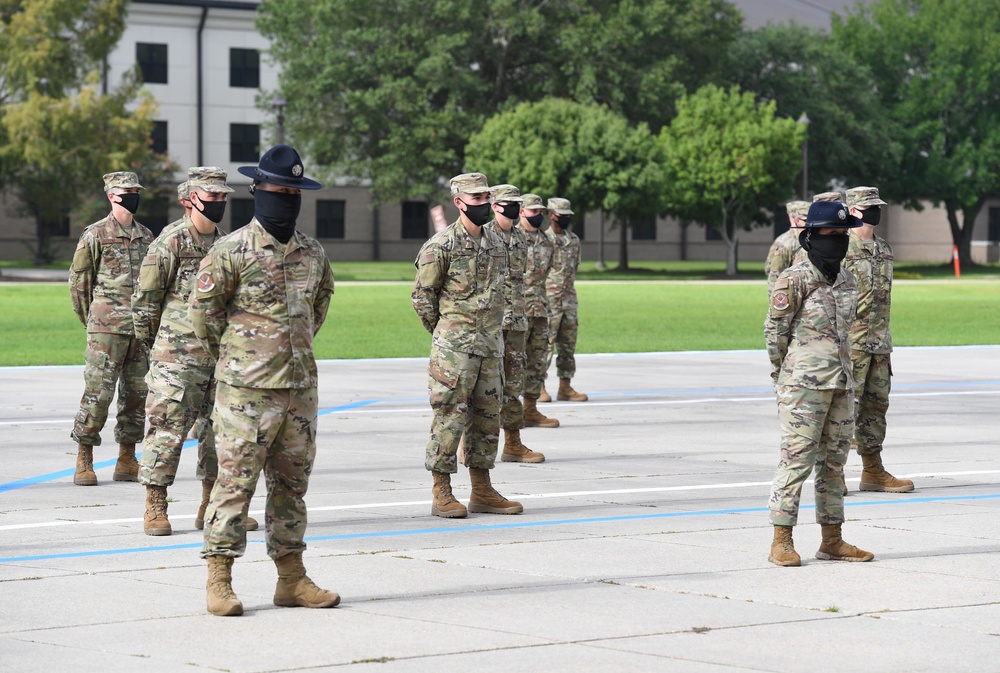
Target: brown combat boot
[516,452]
[533,418]
[155,521]
[206,495]
[445,505]
[85,475]
[544,396]
[485,499]
[222,601]
[875,478]
[296,590]
[127,467]
[782,549]
[567,394]
[833,547]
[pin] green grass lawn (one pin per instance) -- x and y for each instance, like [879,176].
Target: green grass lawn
[38,327]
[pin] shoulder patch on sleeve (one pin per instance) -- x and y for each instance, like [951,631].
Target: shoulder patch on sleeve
[779,299]
[781,283]
[205,282]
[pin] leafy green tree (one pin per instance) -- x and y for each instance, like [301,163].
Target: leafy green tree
[936,65]
[726,161]
[584,153]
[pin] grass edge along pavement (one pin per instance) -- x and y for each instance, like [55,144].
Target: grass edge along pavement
[376,320]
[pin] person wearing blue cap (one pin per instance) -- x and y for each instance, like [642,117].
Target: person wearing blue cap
[261,295]
[812,306]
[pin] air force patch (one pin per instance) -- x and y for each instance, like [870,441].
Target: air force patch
[205,282]
[779,300]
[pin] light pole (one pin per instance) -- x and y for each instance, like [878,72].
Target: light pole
[804,120]
[279,104]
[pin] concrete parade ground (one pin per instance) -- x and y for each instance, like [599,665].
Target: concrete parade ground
[643,545]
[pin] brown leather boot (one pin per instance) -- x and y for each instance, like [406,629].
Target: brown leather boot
[155,521]
[875,478]
[85,475]
[544,396]
[251,522]
[485,499]
[206,495]
[833,547]
[567,394]
[782,549]
[533,418]
[516,452]
[445,505]
[222,601]
[296,590]
[127,467]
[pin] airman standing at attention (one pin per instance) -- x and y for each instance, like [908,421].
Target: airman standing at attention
[786,249]
[102,277]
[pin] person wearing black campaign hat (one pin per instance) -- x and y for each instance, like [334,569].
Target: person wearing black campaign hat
[261,295]
[812,307]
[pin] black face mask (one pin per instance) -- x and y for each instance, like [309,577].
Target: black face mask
[826,252]
[277,212]
[510,210]
[129,202]
[213,210]
[535,220]
[478,215]
[871,215]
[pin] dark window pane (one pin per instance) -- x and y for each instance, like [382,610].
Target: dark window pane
[415,220]
[240,213]
[781,223]
[152,60]
[712,234]
[329,219]
[644,228]
[154,213]
[60,228]
[576,225]
[244,141]
[244,68]
[994,222]
[160,137]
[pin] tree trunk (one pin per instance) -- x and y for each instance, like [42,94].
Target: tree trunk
[961,235]
[43,253]
[732,243]
[623,245]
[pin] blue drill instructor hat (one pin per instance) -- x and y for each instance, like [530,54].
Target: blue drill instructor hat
[830,214]
[280,165]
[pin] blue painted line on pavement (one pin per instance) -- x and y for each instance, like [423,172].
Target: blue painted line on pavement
[502,526]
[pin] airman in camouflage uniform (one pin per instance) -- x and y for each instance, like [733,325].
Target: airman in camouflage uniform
[101,279]
[184,197]
[506,200]
[869,258]
[181,376]
[458,295]
[811,310]
[541,252]
[786,249]
[262,294]
[560,286]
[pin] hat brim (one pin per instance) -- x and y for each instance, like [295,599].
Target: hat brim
[218,189]
[537,206]
[850,223]
[562,211]
[870,202]
[280,180]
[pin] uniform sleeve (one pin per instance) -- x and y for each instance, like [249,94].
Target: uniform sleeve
[431,270]
[208,307]
[155,276]
[83,275]
[778,325]
[324,294]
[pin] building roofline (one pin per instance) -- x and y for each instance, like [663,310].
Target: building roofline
[205,4]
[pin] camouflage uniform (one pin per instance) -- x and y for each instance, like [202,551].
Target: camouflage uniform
[786,249]
[458,295]
[540,253]
[103,274]
[807,341]
[560,289]
[258,304]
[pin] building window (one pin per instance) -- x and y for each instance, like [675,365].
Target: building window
[59,229]
[994,224]
[244,68]
[244,141]
[152,59]
[644,228]
[240,213]
[576,225]
[781,222]
[329,219]
[155,214]
[712,234]
[415,220]
[159,137]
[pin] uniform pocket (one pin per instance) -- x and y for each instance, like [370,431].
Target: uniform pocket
[461,276]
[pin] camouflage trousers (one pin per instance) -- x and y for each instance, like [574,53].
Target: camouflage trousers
[536,345]
[873,379]
[563,327]
[178,394]
[512,411]
[269,430]
[465,395]
[816,428]
[112,359]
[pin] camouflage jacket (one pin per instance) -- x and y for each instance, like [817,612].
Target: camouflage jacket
[514,318]
[458,292]
[807,326]
[538,264]
[104,272]
[871,264]
[785,251]
[560,283]
[160,303]
[257,304]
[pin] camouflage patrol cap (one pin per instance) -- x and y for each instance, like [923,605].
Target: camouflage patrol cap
[560,206]
[797,209]
[532,202]
[861,197]
[828,196]
[209,179]
[183,191]
[122,179]
[505,193]
[470,183]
